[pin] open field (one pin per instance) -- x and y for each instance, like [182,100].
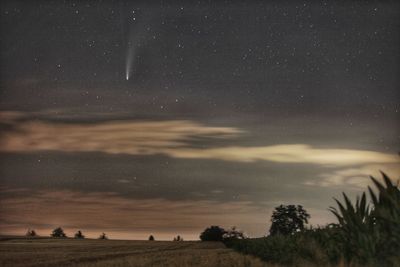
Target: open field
[101,253]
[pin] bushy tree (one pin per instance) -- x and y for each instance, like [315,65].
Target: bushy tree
[103,236]
[151,238]
[31,233]
[58,232]
[212,233]
[288,219]
[233,234]
[79,235]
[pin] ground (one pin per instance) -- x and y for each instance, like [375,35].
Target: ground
[111,253]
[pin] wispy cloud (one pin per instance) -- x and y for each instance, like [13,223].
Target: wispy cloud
[355,177]
[289,153]
[116,137]
[173,138]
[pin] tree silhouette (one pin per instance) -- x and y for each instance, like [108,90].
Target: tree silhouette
[58,232]
[103,236]
[288,219]
[151,238]
[178,238]
[233,234]
[212,233]
[79,235]
[31,233]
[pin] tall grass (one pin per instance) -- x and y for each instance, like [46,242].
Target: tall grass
[366,234]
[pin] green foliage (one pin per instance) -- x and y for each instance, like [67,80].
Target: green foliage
[307,248]
[367,234]
[288,219]
[371,235]
[58,232]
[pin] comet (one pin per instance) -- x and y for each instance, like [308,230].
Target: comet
[137,38]
[130,55]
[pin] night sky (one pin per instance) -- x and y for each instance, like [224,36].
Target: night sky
[133,118]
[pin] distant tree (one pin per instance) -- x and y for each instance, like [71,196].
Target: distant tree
[58,232]
[151,238]
[31,233]
[79,235]
[178,238]
[103,236]
[213,233]
[288,219]
[233,234]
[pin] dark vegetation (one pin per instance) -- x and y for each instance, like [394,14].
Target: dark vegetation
[79,235]
[365,234]
[31,233]
[213,233]
[288,220]
[216,233]
[103,236]
[178,238]
[151,238]
[58,232]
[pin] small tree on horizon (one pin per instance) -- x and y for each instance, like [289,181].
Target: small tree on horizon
[178,238]
[151,238]
[103,236]
[79,235]
[31,233]
[58,232]
[288,219]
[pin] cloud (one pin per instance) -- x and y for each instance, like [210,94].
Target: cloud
[288,153]
[174,138]
[116,137]
[355,177]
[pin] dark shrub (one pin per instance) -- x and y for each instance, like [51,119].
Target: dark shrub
[103,236]
[58,232]
[212,233]
[79,235]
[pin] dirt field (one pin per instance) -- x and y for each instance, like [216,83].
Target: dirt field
[102,253]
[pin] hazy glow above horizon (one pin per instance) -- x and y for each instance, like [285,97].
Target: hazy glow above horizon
[133,116]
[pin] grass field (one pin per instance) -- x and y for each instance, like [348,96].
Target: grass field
[24,252]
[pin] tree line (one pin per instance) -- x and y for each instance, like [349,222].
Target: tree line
[59,233]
